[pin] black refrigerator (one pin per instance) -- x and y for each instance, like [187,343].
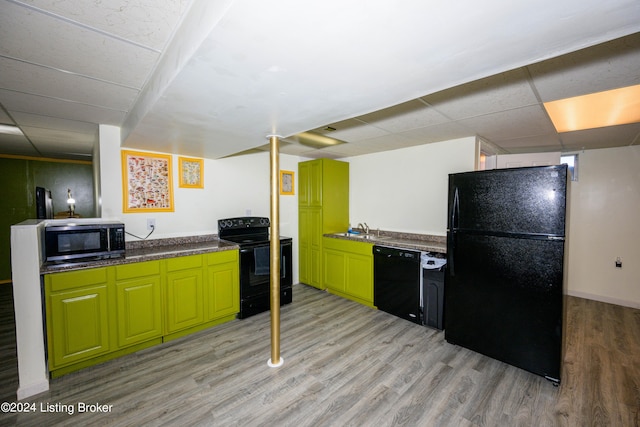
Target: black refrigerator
[505,256]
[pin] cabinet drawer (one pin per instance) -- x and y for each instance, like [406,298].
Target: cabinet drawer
[222,257]
[184,263]
[76,279]
[138,269]
[361,248]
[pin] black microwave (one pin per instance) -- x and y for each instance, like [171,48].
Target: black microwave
[77,241]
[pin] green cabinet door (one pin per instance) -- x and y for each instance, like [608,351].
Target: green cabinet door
[138,302]
[304,246]
[310,246]
[78,325]
[323,207]
[348,269]
[222,285]
[185,293]
[335,267]
[77,316]
[359,277]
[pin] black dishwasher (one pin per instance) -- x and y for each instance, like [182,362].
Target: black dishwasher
[396,282]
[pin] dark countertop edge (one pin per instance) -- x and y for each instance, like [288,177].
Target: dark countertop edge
[422,242]
[150,253]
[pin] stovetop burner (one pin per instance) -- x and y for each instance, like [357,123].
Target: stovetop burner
[246,230]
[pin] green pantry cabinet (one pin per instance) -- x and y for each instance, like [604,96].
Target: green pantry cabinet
[98,314]
[348,269]
[323,207]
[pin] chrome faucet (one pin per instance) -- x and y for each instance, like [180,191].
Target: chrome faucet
[364,227]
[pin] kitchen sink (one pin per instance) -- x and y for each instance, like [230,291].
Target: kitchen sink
[363,236]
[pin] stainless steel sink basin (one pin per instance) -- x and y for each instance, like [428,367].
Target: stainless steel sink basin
[363,236]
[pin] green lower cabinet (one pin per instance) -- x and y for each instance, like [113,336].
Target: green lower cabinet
[78,325]
[98,314]
[222,285]
[348,269]
[185,293]
[77,316]
[335,267]
[138,302]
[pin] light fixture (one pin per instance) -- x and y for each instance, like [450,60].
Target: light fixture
[10,130]
[71,202]
[608,108]
[316,140]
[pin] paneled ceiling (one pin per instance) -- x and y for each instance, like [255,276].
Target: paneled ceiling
[214,78]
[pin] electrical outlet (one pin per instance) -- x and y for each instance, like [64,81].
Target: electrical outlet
[151,224]
[248,212]
[618,262]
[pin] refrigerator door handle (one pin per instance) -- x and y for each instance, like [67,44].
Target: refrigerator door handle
[451,245]
[455,210]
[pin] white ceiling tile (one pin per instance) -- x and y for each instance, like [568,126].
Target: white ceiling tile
[54,123]
[35,37]
[612,136]
[147,22]
[441,132]
[18,102]
[550,142]
[352,130]
[41,136]
[406,116]
[5,119]
[504,91]
[518,123]
[33,79]
[607,66]
[17,145]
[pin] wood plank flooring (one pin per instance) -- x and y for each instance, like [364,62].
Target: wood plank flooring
[346,365]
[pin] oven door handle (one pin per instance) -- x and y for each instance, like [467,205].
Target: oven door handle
[283,262]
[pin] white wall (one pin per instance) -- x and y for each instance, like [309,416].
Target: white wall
[235,186]
[406,189]
[605,224]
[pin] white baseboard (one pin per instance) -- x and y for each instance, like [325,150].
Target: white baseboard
[601,298]
[32,389]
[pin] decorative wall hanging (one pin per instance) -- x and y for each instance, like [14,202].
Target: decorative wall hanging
[191,172]
[146,182]
[286,183]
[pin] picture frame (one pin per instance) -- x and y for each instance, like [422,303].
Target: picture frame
[146,182]
[287,183]
[190,172]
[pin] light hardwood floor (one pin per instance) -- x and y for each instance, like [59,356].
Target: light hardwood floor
[347,365]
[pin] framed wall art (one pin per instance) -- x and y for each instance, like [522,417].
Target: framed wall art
[286,183]
[146,182]
[191,172]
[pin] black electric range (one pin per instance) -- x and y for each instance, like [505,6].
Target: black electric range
[252,235]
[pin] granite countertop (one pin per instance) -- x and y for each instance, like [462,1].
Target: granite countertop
[149,250]
[420,242]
